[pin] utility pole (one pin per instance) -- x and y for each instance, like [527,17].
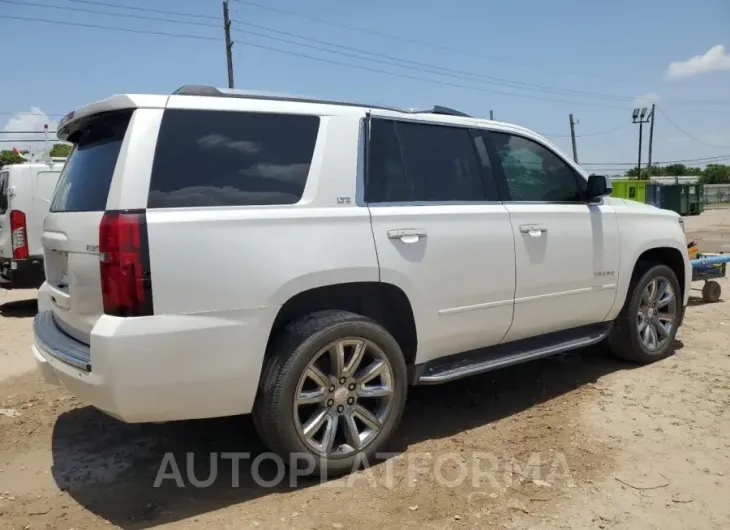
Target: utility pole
[491,114]
[572,137]
[229,42]
[651,135]
[639,116]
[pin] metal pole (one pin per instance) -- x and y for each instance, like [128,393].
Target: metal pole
[651,137]
[229,43]
[641,127]
[491,114]
[572,136]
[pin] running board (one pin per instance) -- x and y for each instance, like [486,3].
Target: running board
[503,355]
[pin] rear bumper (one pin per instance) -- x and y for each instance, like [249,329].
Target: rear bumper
[161,368]
[21,273]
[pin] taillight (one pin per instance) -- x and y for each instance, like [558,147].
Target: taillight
[19,235]
[126,283]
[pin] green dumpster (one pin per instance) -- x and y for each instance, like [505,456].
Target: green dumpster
[633,189]
[696,196]
[675,197]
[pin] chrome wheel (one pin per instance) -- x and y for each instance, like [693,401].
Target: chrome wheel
[343,398]
[657,313]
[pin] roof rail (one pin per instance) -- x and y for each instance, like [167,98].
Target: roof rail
[209,91]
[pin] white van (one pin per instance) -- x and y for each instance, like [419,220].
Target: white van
[25,195]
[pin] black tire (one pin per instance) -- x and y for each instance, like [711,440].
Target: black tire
[711,292]
[624,341]
[289,356]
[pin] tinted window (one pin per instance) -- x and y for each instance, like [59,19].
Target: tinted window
[386,175]
[215,158]
[533,172]
[87,175]
[3,192]
[417,162]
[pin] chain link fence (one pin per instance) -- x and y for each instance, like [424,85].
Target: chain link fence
[716,196]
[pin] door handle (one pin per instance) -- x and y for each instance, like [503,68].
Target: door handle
[407,235]
[533,230]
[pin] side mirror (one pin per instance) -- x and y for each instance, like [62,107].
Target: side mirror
[598,186]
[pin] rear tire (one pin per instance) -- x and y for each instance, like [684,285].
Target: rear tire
[642,332]
[316,406]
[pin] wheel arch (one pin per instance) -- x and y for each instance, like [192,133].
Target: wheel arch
[667,253]
[385,303]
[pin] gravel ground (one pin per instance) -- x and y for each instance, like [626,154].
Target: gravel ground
[580,441]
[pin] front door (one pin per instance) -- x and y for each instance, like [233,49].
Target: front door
[566,250]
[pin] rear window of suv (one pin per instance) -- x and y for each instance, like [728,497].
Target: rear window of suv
[87,176]
[223,158]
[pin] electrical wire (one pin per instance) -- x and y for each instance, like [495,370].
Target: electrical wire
[586,135]
[413,41]
[415,65]
[111,28]
[688,135]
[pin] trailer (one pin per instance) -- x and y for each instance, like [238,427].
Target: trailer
[709,268]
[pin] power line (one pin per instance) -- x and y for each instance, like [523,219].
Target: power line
[400,38]
[688,135]
[109,13]
[585,135]
[429,68]
[632,164]
[111,28]
[147,9]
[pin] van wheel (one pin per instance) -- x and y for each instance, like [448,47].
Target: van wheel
[645,329]
[332,393]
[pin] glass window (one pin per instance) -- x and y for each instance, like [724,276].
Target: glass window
[422,163]
[222,158]
[533,172]
[441,163]
[87,176]
[386,176]
[4,191]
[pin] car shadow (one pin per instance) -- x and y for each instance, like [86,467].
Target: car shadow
[111,467]
[19,308]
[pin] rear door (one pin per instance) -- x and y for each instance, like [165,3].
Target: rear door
[71,228]
[440,233]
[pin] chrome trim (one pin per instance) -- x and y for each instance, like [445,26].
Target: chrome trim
[54,342]
[502,362]
[475,307]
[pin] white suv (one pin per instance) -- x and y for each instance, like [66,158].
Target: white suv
[215,252]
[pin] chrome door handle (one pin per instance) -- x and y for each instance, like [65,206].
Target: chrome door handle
[407,235]
[533,230]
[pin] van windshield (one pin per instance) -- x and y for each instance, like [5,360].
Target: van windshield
[4,191]
[86,178]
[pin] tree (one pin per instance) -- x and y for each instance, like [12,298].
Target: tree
[8,157]
[60,150]
[716,174]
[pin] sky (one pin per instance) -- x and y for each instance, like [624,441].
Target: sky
[531,62]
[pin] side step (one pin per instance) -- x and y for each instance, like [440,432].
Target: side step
[503,355]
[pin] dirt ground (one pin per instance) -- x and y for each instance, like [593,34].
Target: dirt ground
[580,441]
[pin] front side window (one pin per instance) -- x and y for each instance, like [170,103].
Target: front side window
[223,158]
[417,162]
[533,172]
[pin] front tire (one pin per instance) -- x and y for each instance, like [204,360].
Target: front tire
[333,391]
[645,329]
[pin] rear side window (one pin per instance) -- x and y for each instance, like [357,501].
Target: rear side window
[87,176]
[4,176]
[422,163]
[222,158]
